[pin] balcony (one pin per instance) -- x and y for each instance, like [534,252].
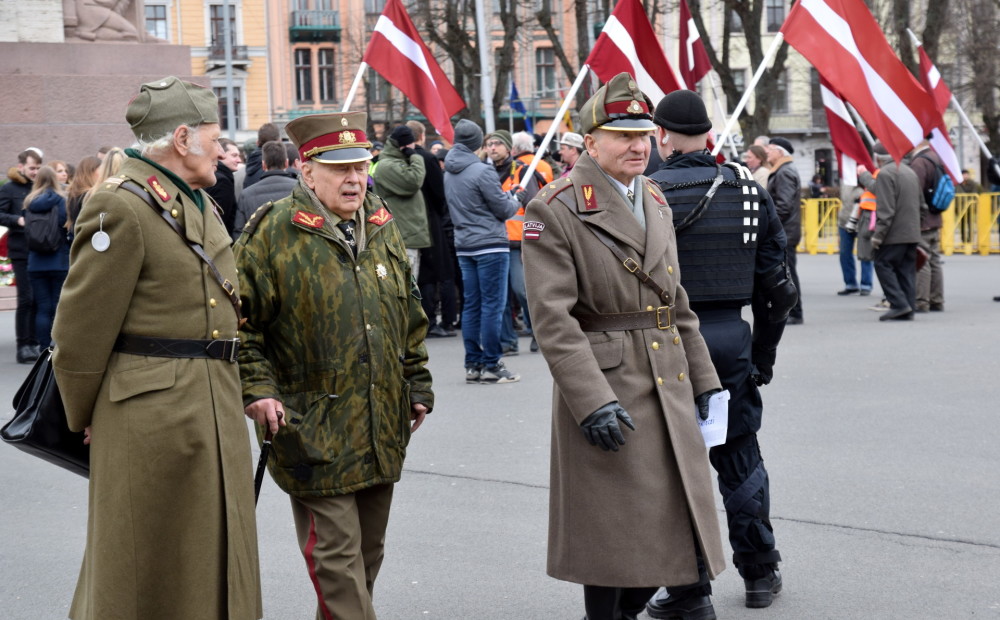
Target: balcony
[315,27]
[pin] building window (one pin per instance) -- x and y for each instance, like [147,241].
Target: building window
[156,21]
[735,23]
[220,92]
[545,72]
[216,34]
[781,94]
[775,14]
[374,6]
[378,88]
[740,81]
[303,76]
[327,75]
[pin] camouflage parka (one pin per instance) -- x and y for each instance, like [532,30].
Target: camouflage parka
[338,340]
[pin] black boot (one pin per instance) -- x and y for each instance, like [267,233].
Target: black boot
[761,592]
[694,606]
[26,354]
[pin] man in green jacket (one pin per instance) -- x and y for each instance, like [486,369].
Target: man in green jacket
[333,359]
[398,179]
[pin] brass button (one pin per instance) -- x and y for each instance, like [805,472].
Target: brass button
[649,308]
[215,334]
[656,346]
[174,212]
[670,268]
[659,381]
[677,339]
[212,302]
[680,377]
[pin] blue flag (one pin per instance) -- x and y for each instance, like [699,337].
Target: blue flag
[518,106]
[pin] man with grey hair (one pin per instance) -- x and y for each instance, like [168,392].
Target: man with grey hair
[896,235]
[146,344]
[570,149]
[785,188]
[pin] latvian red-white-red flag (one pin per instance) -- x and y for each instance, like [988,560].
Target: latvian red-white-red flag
[628,43]
[398,54]
[844,42]
[931,79]
[847,143]
[693,58]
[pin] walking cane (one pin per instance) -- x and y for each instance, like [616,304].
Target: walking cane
[265,450]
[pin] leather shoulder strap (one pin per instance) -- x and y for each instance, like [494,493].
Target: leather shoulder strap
[226,285]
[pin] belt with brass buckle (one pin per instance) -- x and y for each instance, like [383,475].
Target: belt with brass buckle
[660,318]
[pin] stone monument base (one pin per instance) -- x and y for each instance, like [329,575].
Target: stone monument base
[69,99]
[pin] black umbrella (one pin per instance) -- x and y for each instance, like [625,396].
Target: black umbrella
[258,479]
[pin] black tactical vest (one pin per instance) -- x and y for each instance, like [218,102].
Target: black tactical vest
[717,250]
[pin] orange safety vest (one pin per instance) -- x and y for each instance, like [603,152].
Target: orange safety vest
[515,225]
[868,197]
[543,168]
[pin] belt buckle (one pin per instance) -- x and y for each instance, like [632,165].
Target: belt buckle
[670,322]
[234,349]
[631,264]
[228,287]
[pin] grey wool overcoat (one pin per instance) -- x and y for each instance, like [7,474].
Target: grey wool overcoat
[629,518]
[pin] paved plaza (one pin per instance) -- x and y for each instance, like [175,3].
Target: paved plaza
[881,441]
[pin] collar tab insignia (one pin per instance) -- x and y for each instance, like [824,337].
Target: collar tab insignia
[380,217]
[309,220]
[588,196]
[161,193]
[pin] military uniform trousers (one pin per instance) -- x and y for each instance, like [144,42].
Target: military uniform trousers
[343,542]
[743,480]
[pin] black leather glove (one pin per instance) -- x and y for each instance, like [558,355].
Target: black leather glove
[601,427]
[701,400]
[761,373]
[407,152]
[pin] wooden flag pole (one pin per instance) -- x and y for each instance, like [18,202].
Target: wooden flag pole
[778,38]
[354,86]
[555,124]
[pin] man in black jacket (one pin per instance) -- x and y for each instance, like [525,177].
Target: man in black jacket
[274,184]
[436,278]
[785,189]
[224,190]
[266,133]
[12,196]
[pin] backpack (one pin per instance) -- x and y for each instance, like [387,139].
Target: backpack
[43,231]
[942,189]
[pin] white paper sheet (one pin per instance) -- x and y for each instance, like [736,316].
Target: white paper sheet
[714,428]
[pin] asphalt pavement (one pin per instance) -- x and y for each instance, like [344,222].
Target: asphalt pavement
[880,440]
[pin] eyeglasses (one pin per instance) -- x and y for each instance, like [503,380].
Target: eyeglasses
[494,143]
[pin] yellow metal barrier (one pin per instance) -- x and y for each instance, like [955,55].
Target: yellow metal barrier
[971,225]
[819,226]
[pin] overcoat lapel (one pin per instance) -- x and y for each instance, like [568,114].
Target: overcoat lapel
[610,213]
[657,227]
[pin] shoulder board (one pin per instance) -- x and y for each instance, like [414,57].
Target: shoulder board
[113,182]
[251,226]
[553,189]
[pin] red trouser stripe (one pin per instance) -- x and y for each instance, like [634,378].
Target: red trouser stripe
[311,565]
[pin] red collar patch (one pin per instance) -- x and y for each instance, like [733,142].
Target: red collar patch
[380,217]
[654,189]
[589,203]
[158,189]
[308,219]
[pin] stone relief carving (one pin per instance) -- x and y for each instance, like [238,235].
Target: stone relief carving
[104,20]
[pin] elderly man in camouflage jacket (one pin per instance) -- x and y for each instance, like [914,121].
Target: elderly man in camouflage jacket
[333,361]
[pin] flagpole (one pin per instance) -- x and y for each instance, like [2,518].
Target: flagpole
[584,70]
[778,38]
[485,77]
[722,113]
[354,87]
[860,124]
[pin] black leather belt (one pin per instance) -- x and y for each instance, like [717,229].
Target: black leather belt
[660,318]
[178,347]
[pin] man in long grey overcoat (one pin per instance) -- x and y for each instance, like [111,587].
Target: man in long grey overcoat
[623,353]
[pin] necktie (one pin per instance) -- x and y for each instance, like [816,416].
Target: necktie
[347,228]
[631,196]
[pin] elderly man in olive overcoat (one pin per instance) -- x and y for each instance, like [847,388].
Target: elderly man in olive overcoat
[145,360]
[640,512]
